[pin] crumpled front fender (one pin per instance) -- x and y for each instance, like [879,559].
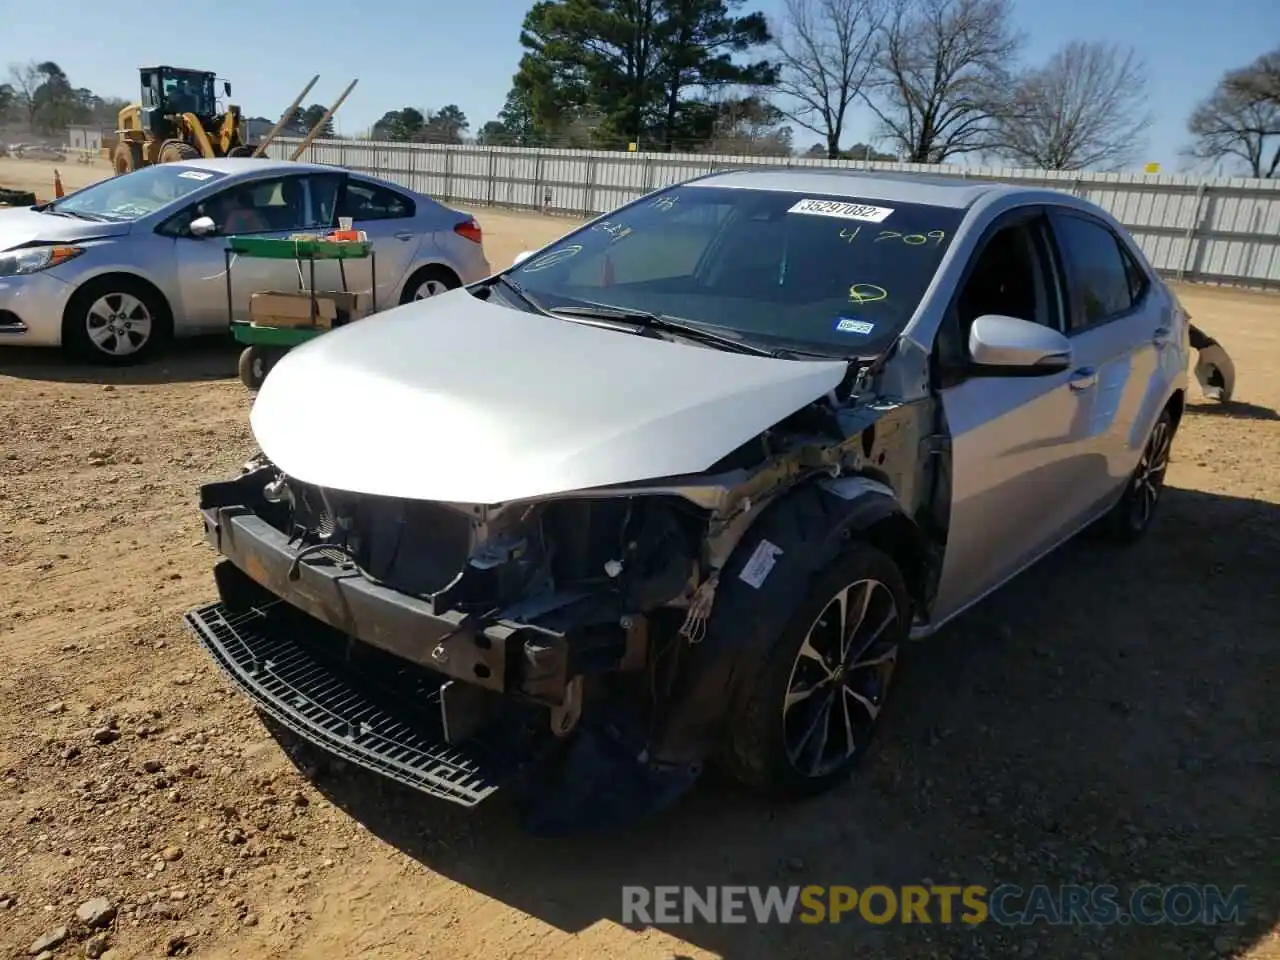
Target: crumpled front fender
[1214,369]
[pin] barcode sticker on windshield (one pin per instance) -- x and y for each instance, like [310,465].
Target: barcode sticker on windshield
[843,210]
[195,175]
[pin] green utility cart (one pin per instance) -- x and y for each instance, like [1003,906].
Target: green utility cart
[280,321]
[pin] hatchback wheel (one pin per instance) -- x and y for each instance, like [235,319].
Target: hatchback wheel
[1132,515]
[429,282]
[116,321]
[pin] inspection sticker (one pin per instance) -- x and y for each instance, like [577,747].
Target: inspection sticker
[760,564]
[842,209]
[854,325]
[195,175]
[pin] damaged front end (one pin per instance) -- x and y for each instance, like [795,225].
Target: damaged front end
[458,648]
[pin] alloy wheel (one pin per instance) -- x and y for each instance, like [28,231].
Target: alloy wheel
[430,288]
[1148,478]
[118,324]
[840,678]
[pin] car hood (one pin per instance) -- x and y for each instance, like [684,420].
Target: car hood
[461,400]
[23,225]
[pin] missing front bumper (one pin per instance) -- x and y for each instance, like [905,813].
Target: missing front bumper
[386,717]
[503,656]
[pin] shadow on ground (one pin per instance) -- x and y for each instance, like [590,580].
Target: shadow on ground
[1109,718]
[1235,410]
[187,361]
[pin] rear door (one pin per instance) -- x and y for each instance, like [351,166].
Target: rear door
[397,230]
[1118,334]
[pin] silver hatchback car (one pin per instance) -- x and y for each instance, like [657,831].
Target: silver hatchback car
[114,270]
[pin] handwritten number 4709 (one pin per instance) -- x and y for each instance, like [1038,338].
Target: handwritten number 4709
[910,239]
[913,239]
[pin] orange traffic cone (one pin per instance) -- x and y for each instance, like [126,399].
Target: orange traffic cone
[57,185]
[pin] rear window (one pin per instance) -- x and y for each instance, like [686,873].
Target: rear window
[839,274]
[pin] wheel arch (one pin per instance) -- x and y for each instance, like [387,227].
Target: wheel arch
[109,274]
[810,526]
[1176,405]
[422,266]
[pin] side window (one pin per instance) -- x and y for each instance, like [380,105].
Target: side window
[1013,275]
[367,201]
[324,189]
[259,206]
[1139,282]
[1100,272]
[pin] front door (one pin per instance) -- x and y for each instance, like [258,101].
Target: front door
[1019,445]
[267,207]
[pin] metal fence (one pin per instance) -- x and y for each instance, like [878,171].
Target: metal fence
[1222,230]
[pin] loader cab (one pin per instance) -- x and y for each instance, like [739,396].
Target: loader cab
[172,91]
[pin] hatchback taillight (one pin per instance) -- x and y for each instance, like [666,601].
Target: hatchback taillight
[469,229]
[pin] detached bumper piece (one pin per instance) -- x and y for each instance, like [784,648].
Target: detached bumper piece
[383,716]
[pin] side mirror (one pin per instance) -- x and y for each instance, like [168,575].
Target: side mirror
[521,257]
[1011,347]
[226,88]
[203,227]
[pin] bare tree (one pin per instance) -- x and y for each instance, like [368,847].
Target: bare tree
[943,75]
[825,50]
[1241,118]
[1261,79]
[26,79]
[1086,107]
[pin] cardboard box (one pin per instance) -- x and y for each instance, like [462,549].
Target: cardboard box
[293,309]
[350,306]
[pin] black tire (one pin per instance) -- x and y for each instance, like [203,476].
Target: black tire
[17,198]
[762,732]
[127,157]
[255,363]
[122,301]
[175,151]
[1133,514]
[241,151]
[433,274]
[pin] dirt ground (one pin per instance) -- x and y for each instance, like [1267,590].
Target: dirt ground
[1109,718]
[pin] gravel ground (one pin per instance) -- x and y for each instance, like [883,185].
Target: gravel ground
[1110,717]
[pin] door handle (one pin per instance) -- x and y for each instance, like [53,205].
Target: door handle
[1083,378]
[405,236]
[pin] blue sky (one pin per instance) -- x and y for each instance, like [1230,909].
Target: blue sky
[433,53]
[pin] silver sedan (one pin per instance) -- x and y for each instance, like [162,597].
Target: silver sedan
[113,271]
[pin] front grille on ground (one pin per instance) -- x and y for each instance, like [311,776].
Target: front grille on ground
[388,722]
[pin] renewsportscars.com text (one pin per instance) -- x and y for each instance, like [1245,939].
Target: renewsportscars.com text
[1008,905]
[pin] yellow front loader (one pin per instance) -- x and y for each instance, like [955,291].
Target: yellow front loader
[177,118]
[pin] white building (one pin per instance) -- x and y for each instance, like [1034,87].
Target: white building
[85,137]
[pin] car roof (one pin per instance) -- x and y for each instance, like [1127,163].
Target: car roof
[233,166]
[956,192]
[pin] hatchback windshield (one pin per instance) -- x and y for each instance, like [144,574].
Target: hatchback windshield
[135,194]
[831,274]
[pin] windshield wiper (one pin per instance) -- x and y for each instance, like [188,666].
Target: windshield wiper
[515,287]
[644,320]
[77,215]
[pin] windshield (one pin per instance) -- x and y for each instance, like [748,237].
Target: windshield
[136,194]
[188,93]
[826,273]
